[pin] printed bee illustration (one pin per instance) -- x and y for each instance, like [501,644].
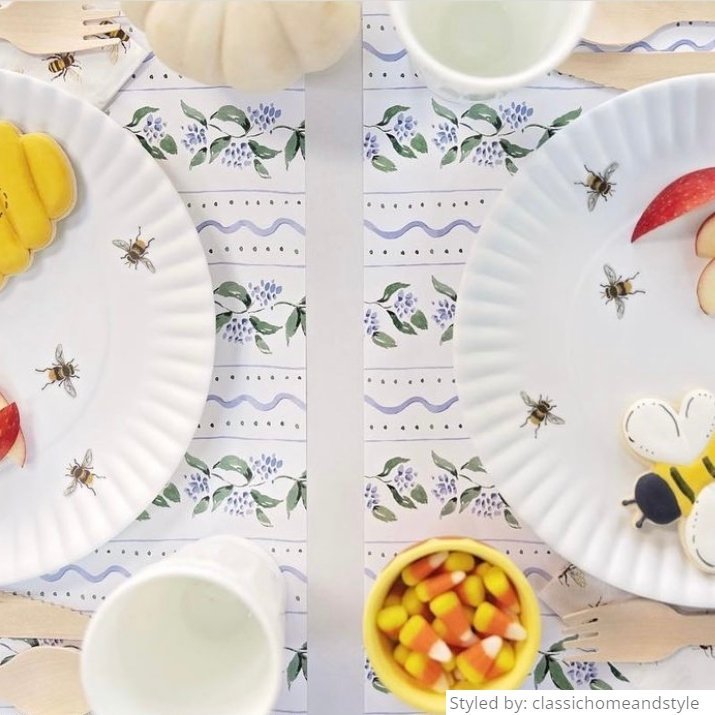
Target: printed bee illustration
[60,65]
[540,412]
[136,251]
[572,573]
[118,34]
[598,184]
[61,373]
[618,289]
[82,474]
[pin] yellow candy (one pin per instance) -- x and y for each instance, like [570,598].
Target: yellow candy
[432,587]
[400,654]
[459,561]
[475,662]
[504,661]
[471,591]
[482,569]
[490,620]
[413,605]
[391,619]
[449,609]
[429,673]
[419,636]
[498,585]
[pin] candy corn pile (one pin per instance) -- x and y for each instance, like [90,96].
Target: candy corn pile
[453,621]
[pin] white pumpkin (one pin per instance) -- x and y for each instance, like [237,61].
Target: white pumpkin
[255,46]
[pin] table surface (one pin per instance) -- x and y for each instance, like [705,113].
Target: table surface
[423,204]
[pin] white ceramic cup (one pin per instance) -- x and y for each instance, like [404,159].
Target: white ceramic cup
[198,633]
[467,50]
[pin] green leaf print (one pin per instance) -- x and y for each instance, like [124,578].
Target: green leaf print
[383,340]
[403,501]
[468,496]
[449,156]
[260,326]
[198,158]
[382,513]
[445,464]
[514,150]
[598,684]
[196,463]
[401,149]
[419,143]
[445,113]
[449,508]
[291,148]
[390,290]
[194,114]
[558,676]
[261,151]
[447,335]
[444,289]
[468,145]
[222,319]
[382,163]
[139,115]
[419,320]
[291,326]
[160,501]
[201,506]
[390,464]
[260,168]
[403,327]
[235,464]
[484,113]
[293,497]
[172,493]
[168,144]
[474,465]
[263,519]
[220,494]
[261,344]
[617,673]
[419,494]
[565,119]
[231,289]
[540,671]
[390,113]
[264,500]
[229,113]
[217,146]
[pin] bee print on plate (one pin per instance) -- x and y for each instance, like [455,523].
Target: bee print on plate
[540,412]
[598,185]
[136,252]
[119,34]
[572,574]
[82,474]
[63,64]
[61,372]
[617,289]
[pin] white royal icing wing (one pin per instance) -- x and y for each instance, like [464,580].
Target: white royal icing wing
[659,433]
[697,532]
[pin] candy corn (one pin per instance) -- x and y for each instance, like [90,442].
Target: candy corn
[420,570]
[413,605]
[394,597]
[459,561]
[391,619]
[433,587]
[471,591]
[440,628]
[499,586]
[476,661]
[451,665]
[448,608]
[400,654]
[419,636]
[428,672]
[504,661]
[489,619]
[482,569]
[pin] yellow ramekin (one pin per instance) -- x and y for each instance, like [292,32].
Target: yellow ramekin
[379,648]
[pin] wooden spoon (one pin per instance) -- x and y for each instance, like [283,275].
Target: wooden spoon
[44,681]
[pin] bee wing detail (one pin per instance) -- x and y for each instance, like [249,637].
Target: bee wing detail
[71,488]
[69,388]
[527,399]
[696,532]
[609,170]
[554,419]
[656,432]
[59,354]
[149,265]
[87,461]
[620,307]
[592,199]
[121,244]
[610,273]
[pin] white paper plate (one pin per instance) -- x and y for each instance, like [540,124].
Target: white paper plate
[143,341]
[531,317]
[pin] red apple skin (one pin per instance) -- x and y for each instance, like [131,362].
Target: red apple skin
[707,227]
[680,196]
[9,428]
[18,451]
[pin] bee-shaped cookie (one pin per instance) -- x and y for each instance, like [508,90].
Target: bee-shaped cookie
[679,484]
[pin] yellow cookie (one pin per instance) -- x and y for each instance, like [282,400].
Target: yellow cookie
[37,188]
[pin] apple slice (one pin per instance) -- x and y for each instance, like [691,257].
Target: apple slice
[9,428]
[18,449]
[706,289]
[705,238]
[679,197]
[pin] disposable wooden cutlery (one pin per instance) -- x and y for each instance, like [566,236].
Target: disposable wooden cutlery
[620,23]
[635,631]
[44,681]
[22,617]
[57,26]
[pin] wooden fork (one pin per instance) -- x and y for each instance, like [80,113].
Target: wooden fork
[57,26]
[618,23]
[635,631]
[44,681]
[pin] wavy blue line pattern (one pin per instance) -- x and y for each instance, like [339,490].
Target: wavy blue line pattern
[294,572]
[86,575]
[252,227]
[644,45]
[416,400]
[385,56]
[432,232]
[262,406]
[537,571]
